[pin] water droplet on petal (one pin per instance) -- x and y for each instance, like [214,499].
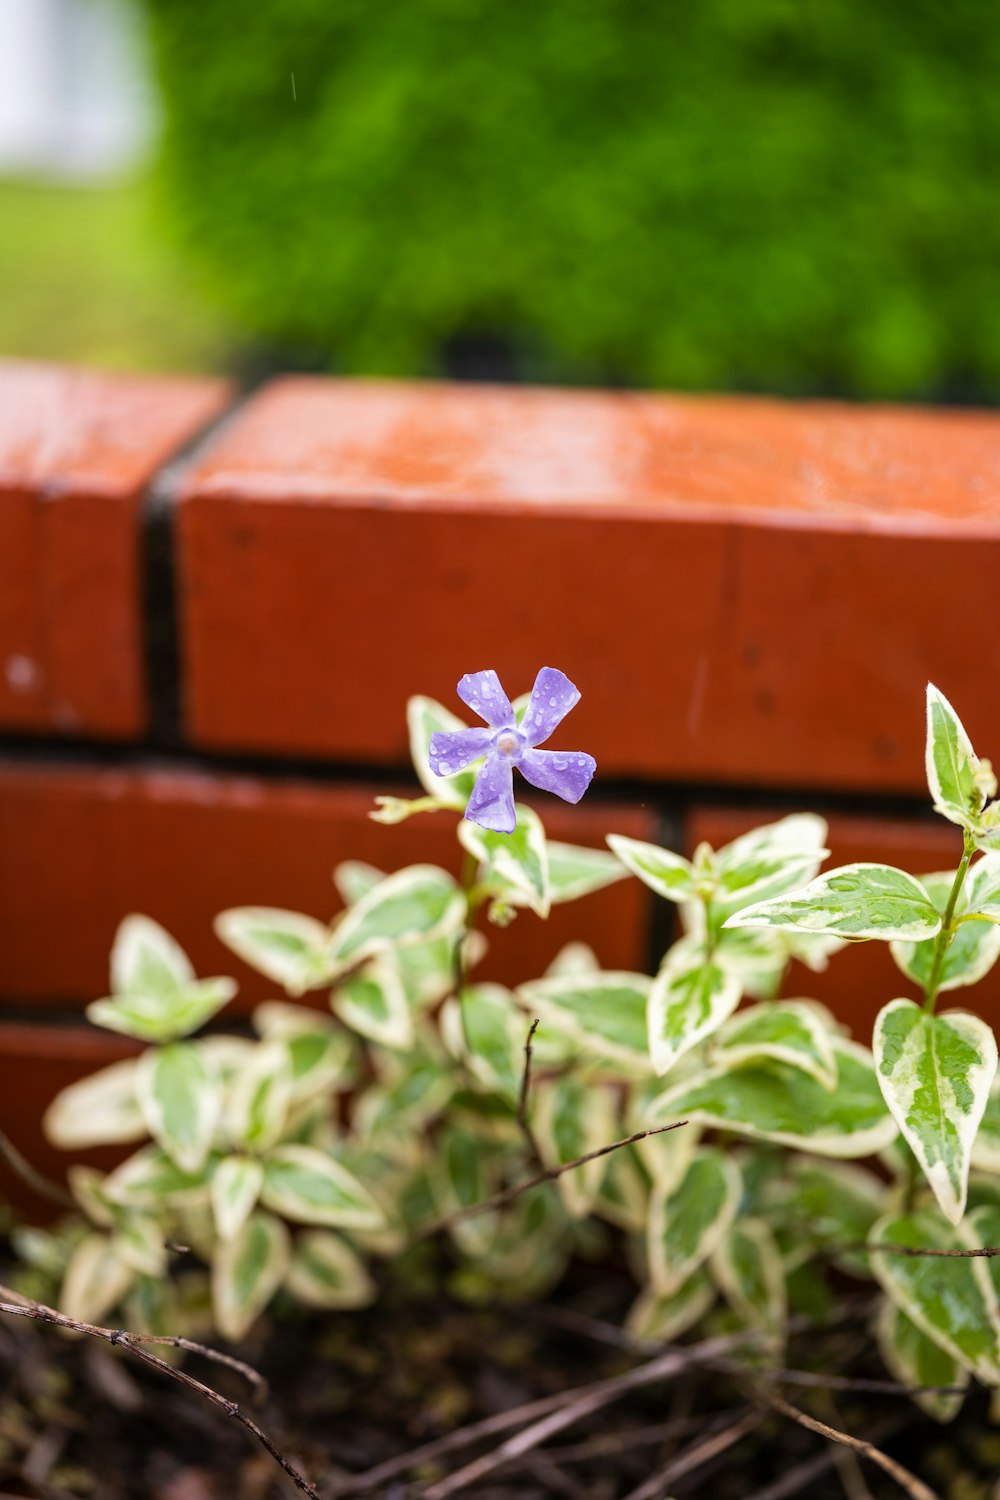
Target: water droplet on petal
[552,703]
[444,769]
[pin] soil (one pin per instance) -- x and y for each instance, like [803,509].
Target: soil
[351,1391]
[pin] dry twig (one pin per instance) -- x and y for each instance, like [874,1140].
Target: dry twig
[24,1307]
[914,1487]
[695,1455]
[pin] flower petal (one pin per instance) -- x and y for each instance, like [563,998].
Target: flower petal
[552,697]
[492,802]
[484,695]
[568,773]
[453,750]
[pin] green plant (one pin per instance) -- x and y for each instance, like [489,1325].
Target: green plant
[803,1154]
[738,193]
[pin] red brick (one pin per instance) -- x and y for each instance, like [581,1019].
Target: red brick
[862,976]
[80,849]
[746,591]
[35,1063]
[77,450]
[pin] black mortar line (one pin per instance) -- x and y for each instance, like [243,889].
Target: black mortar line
[159,612]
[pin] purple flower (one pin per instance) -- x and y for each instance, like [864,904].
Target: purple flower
[507,744]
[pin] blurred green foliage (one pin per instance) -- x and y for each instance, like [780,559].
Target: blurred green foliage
[87,276]
[796,195]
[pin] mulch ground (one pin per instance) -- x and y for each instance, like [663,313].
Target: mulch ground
[354,1393]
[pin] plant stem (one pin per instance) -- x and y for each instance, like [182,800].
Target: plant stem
[947,932]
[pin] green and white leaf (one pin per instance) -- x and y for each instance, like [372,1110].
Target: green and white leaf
[986,1147]
[181,1100]
[789,1031]
[768,861]
[604,1013]
[462,1175]
[573,959]
[286,946]
[952,764]
[100,1110]
[150,1178]
[915,1360]
[145,960]
[236,1185]
[834,1204]
[661,1320]
[771,1101]
[353,878]
[87,1187]
[572,1118]
[972,952]
[417,1094]
[308,1187]
[492,1032]
[427,970]
[319,1060]
[950,1298]
[935,1073]
[138,1240]
[159,1018]
[259,1098]
[666,873]
[515,864]
[96,1280]
[247,1271]
[687,1224]
[756,959]
[747,1268]
[690,998]
[854,901]
[982,889]
[373,1003]
[575,871]
[624,1190]
[412,906]
[326,1272]
[425,717]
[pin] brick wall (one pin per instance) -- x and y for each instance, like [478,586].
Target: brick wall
[213,608]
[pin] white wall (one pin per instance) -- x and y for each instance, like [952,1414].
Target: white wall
[76,94]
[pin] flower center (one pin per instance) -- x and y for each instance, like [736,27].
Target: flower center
[508,743]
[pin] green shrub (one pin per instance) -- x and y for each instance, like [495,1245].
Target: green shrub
[748,193]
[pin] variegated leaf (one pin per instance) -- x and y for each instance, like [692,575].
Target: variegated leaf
[915,1360]
[150,1178]
[951,763]
[686,1224]
[373,1003]
[236,1185]
[604,1013]
[247,1271]
[747,1268]
[493,1032]
[950,1298]
[935,1073]
[260,1097]
[854,901]
[145,960]
[517,863]
[986,1147]
[96,1280]
[666,873]
[285,946]
[138,1241]
[181,1099]
[786,1030]
[575,871]
[308,1187]
[973,950]
[662,1320]
[773,1102]
[414,905]
[690,998]
[100,1110]
[572,1118]
[326,1272]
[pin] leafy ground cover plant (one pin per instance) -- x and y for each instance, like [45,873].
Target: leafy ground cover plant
[292,1163]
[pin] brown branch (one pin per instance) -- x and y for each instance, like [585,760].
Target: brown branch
[488,1427]
[695,1455]
[914,1487]
[524,1125]
[985,1252]
[509,1194]
[576,1405]
[43,1186]
[23,1307]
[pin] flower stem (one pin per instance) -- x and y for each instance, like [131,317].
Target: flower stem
[947,932]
